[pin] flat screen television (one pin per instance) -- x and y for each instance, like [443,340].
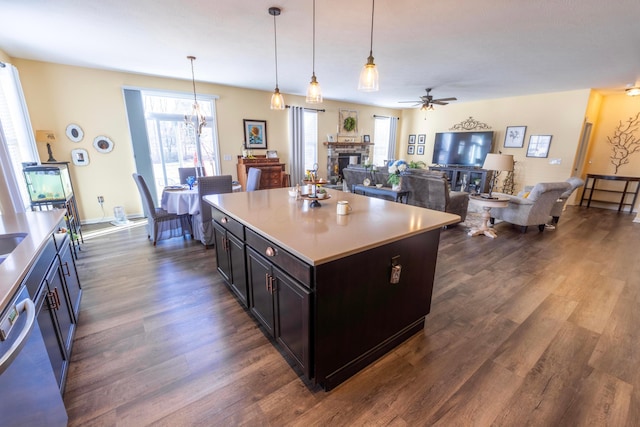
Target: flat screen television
[462,148]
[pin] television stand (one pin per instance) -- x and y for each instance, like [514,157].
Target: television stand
[477,179]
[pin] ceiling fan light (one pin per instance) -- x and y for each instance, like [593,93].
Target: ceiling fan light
[369,77]
[424,107]
[314,93]
[277,100]
[633,91]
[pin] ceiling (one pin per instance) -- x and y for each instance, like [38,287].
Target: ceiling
[469,49]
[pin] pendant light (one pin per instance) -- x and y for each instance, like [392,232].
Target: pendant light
[195,111]
[314,94]
[369,74]
[277,100]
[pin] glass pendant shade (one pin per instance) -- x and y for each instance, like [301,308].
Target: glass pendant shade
[369,77]
[314,94]
[277,100]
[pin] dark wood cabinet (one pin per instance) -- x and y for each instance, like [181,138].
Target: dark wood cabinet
[273,175]
[472,180]
[231,261]
[282,306]
[71,279]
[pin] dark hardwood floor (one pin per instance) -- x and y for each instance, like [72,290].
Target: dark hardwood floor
[538,329]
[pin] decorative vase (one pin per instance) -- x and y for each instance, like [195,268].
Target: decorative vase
[398,186]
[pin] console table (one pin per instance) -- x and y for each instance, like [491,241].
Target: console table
[616,189]
[382,192]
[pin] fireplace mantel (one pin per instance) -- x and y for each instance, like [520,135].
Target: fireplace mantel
[347,144]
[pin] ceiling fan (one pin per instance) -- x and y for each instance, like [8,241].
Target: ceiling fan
[427,102]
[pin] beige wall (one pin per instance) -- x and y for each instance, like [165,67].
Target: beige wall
[558,114]
[58,95]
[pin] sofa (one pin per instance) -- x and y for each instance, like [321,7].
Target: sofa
[427,189]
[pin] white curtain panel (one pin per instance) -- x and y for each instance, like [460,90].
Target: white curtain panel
[393,128]
[296,144]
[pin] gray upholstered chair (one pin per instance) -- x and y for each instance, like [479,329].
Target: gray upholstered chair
[559,205]
[253,179]
[534,209]
[161,224]
[210,185]
[187,172]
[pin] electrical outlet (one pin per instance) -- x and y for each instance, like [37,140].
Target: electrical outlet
[100,199]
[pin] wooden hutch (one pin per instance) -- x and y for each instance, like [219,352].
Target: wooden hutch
[273,175]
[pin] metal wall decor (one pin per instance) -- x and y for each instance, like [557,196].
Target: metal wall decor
[470,124]
[625,141]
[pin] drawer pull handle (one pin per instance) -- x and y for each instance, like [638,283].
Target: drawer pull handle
[270,251]
[224,220]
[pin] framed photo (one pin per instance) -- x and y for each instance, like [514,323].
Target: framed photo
[420,150]
[539,145]
[331,138]
[103,144]
[411,149]
[80,157]
[366,138]
[412,139]
[514,136]
[272,154]
[74,133]
[422,138]
[255,133]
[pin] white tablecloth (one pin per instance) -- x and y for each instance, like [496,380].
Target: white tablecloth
[183,202]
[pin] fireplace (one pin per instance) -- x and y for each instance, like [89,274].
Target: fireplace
[340,155]
[345,159]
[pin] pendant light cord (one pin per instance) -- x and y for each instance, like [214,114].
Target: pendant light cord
[193,80]
[313,62]
[373,6]
[275,42]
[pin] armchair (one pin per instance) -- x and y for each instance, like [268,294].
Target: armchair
[559,205]
[534,209]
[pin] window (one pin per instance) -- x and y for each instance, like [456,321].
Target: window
[381,138]
[17,134]
[172,143]
[310,139]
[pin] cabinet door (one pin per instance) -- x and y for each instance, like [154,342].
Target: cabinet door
[48,323]
[71,279]
[238,280]
[292,318]
[62,310]
[259,271]
[222,257]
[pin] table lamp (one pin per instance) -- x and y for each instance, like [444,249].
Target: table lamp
[48,137]
[497,163]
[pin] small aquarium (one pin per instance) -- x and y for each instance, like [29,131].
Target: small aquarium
[48,183]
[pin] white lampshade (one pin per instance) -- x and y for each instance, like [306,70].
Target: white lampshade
[498,162]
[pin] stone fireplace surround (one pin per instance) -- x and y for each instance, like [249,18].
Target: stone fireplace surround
[338,154]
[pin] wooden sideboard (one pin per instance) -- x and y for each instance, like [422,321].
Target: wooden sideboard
[273,175]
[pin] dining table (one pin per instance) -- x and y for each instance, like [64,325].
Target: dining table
[182,200]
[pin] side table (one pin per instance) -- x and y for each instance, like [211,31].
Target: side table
[486,204]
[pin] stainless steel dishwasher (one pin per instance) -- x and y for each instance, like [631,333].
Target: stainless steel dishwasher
[28,388]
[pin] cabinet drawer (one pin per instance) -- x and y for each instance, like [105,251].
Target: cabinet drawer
[296,268]
[228,223]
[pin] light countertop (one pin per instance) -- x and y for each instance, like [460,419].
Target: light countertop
[319,235]
[39,226]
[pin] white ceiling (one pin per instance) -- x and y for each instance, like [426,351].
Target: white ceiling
[470,49]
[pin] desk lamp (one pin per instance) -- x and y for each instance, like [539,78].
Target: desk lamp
[497,163]
[49,137]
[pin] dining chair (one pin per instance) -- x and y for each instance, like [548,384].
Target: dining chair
[187,172]
[160,223]
[253,179]
[210,185]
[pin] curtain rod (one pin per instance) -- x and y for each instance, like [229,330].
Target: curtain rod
[375,116]
[307,108]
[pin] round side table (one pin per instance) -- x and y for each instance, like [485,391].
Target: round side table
[486,204]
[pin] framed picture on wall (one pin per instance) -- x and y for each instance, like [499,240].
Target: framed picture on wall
[411,149]
[412,139]
[255,133]
[422,138]
[514,136]
[366,138]
[80,157]
[539,146]
[420,150]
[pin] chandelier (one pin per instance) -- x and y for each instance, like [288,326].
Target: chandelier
[195,111]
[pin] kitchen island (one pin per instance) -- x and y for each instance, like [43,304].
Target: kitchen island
[335,292]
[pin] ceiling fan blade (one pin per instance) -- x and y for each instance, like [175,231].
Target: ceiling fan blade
[446,99]
[436,102]
[406,102]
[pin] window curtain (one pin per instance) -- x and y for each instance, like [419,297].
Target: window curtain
[296,144]
[16,140]
[393,128]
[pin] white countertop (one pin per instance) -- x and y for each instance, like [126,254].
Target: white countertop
[39,226]
[319,235]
